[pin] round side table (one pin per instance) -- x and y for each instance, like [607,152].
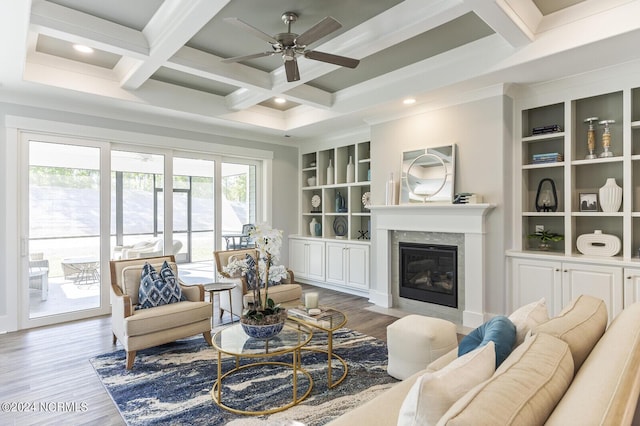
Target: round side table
[218,287]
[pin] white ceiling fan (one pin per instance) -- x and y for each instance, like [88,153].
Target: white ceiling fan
[291,45]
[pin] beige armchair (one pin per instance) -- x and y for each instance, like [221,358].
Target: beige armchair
[288,291]
[145,328]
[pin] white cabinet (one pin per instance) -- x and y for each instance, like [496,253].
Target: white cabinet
[348,264]
[631,286]
[603,282]
[306,258]
[535,279]
[560,282]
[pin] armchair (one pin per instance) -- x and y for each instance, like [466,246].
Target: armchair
[288,291]
[147,248]
[145,328]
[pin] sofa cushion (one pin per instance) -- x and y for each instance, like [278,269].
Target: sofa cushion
[166,317]
[528,317]
[498,329]
[580,324]
[434,392]
[523,391]
[605,389]
[155,291]
[280,294]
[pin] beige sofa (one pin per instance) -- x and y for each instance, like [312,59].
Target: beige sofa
[287,292]
[568,371]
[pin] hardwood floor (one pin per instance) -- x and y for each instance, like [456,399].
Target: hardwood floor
[46,377]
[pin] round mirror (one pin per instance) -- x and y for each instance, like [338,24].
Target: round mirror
[426,176]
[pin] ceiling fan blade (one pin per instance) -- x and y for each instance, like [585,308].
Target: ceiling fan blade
[247,57]
[319,30]
[253,30]
[291,68]
[332,59]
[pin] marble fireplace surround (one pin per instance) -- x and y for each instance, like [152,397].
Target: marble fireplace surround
[462,219]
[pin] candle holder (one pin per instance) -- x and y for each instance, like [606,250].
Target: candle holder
[606,138]
[591,138]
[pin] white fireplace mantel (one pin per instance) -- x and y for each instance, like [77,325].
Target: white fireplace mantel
[467,219]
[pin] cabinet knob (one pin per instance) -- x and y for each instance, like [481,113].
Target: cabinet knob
[628,278]
[566,270]
[557,269]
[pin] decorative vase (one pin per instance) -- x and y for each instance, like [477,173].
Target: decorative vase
[318,230]
[351,171]
[265,331]
[330,173]
[610,196]
[312,227]
[391,191]
[598,244]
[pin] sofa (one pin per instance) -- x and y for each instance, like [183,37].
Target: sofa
[286,292]
[568,370]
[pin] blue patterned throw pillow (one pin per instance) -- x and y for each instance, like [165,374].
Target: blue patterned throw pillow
[251,271]
[170,279]
[498,329]
[154,291]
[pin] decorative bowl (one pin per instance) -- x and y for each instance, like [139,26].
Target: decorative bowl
[262,331]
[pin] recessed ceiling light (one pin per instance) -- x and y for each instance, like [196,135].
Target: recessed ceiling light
[82,48]
[280,100]
[409,101]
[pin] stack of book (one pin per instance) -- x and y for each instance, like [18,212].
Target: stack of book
[553,128]
[322,318]
[548,157]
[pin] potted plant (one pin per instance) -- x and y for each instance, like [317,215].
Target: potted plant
[263,318]
[546,238]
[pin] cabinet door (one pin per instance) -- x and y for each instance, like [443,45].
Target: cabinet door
[357,266]
[631,286]
[603,282]
[336,270]
[315,260]
[297,258]
[535,279]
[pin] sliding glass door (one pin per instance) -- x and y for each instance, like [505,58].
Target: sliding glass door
[64,274]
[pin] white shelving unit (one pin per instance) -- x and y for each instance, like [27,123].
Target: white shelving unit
[339,257]
[562,273]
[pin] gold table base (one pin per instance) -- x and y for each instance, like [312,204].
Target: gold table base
[216,391]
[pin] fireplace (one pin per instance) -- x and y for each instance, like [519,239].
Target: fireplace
[428,273]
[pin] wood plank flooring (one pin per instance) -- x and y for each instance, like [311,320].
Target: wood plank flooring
[49,366]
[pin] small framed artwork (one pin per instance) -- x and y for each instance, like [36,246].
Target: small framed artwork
[589,202]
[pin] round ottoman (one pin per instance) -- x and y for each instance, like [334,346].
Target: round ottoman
[415,341]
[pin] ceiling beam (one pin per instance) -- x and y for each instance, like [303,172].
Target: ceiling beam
[517,27]
[77,27]
[171,27]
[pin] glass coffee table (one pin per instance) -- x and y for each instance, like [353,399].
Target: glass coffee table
[235,342]
[329,321]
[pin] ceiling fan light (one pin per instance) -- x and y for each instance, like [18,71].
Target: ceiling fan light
[288,54]
[409,101]
[82,48]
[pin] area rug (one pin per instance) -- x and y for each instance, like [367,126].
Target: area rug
[171,384]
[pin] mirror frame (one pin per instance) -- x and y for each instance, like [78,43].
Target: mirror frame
[446,190]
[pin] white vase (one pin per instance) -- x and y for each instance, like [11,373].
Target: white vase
[351,171]
[610,196]
[312,227]
[330,173]
[390,198]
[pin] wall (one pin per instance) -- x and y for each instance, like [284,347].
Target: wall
[482,132]
[282,194]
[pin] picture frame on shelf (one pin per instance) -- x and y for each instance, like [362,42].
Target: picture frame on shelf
[588,201]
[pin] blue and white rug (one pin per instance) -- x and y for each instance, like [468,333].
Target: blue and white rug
[171,384]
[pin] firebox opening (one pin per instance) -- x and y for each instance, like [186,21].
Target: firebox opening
[428,273]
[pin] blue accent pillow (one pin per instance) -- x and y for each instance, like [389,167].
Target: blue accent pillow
[498,329]
[154,291]
[169,277]
[251,272]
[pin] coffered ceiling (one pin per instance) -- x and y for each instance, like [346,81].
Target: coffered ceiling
[161,60]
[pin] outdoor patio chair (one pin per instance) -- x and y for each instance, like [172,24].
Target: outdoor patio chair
[39,276]
[138,329]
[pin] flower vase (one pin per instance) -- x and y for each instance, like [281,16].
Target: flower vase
[610,196]
[330,173]
[351,171]
[312,227]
